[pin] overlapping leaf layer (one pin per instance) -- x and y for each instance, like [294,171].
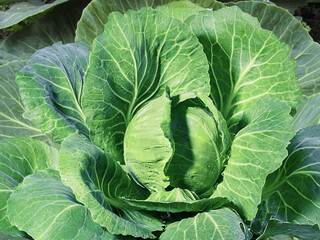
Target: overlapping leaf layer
[166,120]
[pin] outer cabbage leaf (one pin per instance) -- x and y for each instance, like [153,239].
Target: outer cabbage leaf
[58,25]
[276,227]
[293,191]
[11,109]
[51,210]
[293,4]
[264,226]
[50,87]
[257,150]
[137,57]
[308,112]
[98,182]
[216,224]
[20,157]
[95,15]
[247,63]
[22,10]
[288,29]
[148,144]
[290,5]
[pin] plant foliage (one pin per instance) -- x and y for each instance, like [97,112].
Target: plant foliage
[159,120]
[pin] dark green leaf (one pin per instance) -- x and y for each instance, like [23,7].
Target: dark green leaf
[23,10]
[293,191]
[50,87]
[257,150]
[98,182]
[15,50]
[51,210]
[276,227]
[308,112]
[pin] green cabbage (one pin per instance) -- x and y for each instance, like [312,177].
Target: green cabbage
[176,122]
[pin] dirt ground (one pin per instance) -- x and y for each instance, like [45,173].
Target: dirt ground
[311,16]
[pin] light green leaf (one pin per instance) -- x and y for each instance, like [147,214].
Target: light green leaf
[288,29]
[22,10]
[221,123]
[308,112]
[50,87]
[14,51]
[148,144]
[98,182]
[95,15]
[247,63]
[132,62]
[293,191]
[201,146]
[180,9]
[177,206]
[216,224]
[20,157]
[183,9]
[46,209]
[175,195]
[176,201]
[257,150]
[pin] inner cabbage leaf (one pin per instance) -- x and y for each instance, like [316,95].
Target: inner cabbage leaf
[202,143]
[137,57]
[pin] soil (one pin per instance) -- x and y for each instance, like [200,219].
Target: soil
[311,16]
[3,34]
